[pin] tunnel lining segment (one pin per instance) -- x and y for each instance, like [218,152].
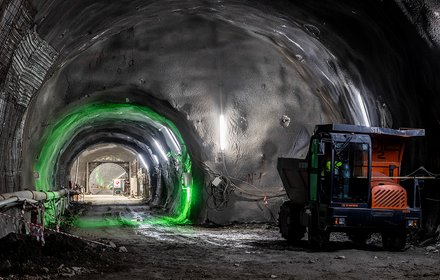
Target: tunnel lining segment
[62,131]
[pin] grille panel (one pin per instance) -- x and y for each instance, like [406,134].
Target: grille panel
[389,197]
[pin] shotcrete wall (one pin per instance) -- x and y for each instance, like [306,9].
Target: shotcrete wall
[274,69]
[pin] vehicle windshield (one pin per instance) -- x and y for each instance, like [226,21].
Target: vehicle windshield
[347,175]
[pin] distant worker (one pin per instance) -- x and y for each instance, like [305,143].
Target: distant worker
[326,177]
[341,176]
[328,167]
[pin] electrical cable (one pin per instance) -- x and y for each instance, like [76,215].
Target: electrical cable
[218,198]
[213,174]
[219,194]
[237,179]
[259,195]
[263,192]
[432,199]
[423,169]
[252,185]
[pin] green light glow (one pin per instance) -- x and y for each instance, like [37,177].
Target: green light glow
[60,135]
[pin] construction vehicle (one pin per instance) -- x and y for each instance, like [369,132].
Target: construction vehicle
[350,182]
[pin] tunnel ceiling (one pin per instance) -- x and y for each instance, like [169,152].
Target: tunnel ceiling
[273,69]
[108,152]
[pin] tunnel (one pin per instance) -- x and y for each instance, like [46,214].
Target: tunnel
[270,76]
[186,94]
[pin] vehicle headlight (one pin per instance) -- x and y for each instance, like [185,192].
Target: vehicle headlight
[340,221]
[412,223]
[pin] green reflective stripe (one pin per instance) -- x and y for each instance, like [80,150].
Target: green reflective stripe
[313,170]
[58,136]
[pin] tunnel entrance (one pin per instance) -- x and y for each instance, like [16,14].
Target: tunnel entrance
[119,149]
[110,173]
[112,169]
[108,178]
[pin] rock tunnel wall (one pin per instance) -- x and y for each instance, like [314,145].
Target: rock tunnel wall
[273,68]
[25,59]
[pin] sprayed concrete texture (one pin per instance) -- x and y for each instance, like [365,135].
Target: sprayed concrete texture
[274,69]
[246,252]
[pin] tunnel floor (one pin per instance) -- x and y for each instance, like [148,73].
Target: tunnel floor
[238,251]
[242,251]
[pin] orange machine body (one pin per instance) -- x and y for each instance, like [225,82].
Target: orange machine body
[387,151]
[387,155]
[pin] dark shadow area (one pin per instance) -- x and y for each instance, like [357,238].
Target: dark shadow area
[24,255]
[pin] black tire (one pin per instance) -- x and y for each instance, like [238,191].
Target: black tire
[393,241]
[289,222]
[318,239]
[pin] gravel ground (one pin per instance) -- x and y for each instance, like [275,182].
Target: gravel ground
[232,252]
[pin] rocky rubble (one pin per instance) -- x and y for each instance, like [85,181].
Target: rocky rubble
[22,257]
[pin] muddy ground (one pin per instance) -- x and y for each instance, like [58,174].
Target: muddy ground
[188,252]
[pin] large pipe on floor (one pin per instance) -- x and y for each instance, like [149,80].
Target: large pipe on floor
[38,196]
[14,199]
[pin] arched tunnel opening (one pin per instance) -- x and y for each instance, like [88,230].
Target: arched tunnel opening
[185,110]
[160,150]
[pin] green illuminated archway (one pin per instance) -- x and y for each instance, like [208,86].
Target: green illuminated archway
[65,129]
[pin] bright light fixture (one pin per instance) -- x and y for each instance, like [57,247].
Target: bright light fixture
[173,139]
[222,133]
[156,159]
[144,163]
[362,105]
[162,152]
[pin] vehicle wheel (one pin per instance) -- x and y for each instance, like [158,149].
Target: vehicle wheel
[393,241]
[289,222]
[318,238]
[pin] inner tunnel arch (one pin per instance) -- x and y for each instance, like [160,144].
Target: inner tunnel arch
[66,128]
[101,175]
[100,145]
[104,134]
